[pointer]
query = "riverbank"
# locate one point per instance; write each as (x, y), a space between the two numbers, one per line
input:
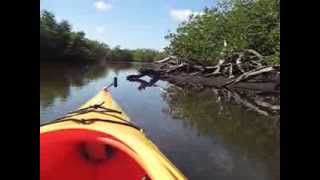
(260, 92)
(184, 76)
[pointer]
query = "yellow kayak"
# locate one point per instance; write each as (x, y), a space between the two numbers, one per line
(98, 141)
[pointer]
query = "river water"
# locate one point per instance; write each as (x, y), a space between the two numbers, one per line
(205, 136)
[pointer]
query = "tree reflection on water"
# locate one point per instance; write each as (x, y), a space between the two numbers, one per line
(221, 114)
(56, 79)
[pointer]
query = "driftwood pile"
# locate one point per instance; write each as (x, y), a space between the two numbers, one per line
(238, 68)
(246, 67)
(264, 101)
(243, 77)
(267, 104)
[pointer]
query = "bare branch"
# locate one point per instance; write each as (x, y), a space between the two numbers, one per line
(252, 51)
(250, 74)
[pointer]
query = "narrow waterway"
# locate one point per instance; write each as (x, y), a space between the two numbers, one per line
(205, 136)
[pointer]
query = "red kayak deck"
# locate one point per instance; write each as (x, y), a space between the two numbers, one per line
(77, 154)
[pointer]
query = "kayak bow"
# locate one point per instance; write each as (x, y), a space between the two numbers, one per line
(98, 141)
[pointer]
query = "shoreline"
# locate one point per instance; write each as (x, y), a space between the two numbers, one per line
(261, 95)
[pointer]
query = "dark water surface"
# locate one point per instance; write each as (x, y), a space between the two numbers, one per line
(205, 136)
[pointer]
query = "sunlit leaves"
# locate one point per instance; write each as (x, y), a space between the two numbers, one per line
(242, 24)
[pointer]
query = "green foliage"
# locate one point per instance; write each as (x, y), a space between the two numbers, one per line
(118, 54)
(232, 26)
(160, 55)
(147, 55)
(59, 43)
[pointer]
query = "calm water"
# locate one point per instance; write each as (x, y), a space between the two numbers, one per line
(205, 136)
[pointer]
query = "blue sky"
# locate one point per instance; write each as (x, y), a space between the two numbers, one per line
(128, 23)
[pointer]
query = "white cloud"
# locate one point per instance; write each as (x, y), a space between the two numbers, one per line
(181, 15)
(100, 29)
(102, 6)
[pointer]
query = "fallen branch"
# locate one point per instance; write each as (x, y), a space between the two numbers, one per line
(169, 58)
(260, 57)
(212, 74)
(134, 77)
(196, 73)
(218, 66)
(250, 74)
(175, 68)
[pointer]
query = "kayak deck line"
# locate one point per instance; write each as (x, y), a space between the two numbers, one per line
(94, 108)
(93, 120)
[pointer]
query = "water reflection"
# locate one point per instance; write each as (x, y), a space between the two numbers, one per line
(62, 86)
(207, 134)
(56, 79)
(247, 134)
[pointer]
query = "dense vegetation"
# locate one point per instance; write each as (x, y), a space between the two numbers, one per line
(232, 26)
(147, 55)
(58, 42)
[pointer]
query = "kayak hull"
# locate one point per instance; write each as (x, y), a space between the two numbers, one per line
(100, 149)
(83, 155)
